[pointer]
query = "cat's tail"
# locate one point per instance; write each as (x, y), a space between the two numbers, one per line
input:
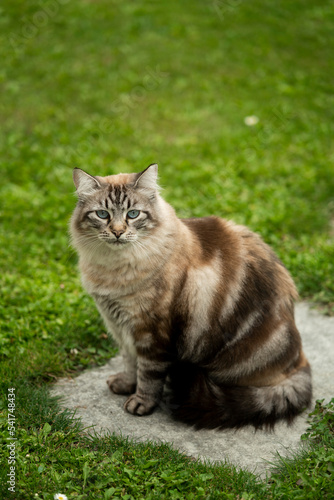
(204, 404)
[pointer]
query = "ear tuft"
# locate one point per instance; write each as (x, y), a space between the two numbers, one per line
(85, 183)
(148, 178)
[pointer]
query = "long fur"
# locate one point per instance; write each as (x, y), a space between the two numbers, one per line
(203, 303)
(200, 402)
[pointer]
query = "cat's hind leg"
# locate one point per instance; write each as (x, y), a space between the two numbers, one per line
(205, 404)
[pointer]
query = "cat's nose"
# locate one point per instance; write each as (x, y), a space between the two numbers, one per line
(117, 233)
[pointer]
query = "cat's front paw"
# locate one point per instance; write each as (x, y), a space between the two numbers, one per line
(121, 383)
(139, 405)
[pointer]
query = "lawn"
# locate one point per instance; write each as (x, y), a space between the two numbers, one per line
(110, 87)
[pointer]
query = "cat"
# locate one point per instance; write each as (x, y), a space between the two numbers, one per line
(202, 305)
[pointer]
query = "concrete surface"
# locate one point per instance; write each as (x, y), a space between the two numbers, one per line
(96, 405)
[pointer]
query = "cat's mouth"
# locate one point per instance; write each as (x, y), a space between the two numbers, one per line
(116, 242)
(111, 241)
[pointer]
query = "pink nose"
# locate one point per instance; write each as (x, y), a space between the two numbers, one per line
(117, 233)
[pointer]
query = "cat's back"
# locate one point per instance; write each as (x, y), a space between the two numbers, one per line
(242, 254)
(237, 289)
(237, 277)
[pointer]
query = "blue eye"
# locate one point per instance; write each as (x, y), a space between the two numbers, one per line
(132, 214)
(103, 214)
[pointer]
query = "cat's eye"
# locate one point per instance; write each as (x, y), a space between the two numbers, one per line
(132, 214)
(103, 214)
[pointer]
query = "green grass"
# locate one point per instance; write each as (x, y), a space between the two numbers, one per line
(112, 86)
(312, 469)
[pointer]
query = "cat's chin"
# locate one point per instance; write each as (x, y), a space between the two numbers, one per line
(116, 243)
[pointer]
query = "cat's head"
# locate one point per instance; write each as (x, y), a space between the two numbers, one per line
(117, 210)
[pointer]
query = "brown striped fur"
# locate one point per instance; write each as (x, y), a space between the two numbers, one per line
(203, 304)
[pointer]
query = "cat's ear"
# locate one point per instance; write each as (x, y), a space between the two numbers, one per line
(147, 179)
(86, 184)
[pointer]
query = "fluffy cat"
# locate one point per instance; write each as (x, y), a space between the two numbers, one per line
(204, 303)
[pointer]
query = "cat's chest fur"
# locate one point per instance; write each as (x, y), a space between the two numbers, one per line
(122, 293)
(112, 279)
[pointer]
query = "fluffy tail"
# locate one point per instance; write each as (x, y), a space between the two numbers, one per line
(199, 402)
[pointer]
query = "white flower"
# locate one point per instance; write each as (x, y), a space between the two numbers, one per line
(60, 496)
(251, 120)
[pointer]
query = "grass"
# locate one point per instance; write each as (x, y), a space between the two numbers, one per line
(109, 87)
(312, 469)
